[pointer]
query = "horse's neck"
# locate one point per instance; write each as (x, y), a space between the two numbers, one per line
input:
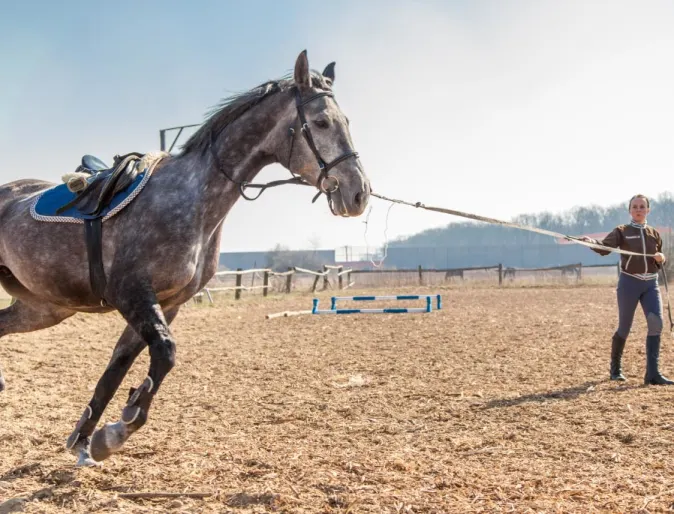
(243, 150)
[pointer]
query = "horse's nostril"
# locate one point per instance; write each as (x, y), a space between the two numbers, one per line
(359, 199)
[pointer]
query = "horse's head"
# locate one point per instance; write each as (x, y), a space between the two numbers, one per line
(319, 147)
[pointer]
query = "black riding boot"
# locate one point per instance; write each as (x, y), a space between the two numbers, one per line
(617, 347)
(653, 376)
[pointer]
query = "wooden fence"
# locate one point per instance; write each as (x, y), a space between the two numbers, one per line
(503, 272)
(342, 278)
(287, 276)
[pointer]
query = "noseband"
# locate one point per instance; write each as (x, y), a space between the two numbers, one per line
(323, 183)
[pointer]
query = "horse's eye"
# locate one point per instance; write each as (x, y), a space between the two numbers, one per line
(322, 123)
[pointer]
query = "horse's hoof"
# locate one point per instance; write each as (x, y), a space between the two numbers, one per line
(108, 440)
(84, 460)
(80, 448)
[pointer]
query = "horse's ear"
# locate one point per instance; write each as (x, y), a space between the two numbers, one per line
(329, 72)
(302, 73)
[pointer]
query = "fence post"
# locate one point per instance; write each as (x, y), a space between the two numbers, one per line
(339, 277)
(265, 283)
(500, 274)
(316, 278)
(348, 279)
(237, 292)
(580, 271)
(421, 276)
(326, 282)
(289, 280)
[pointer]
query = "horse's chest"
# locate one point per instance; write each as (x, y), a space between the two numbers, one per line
(199, 266)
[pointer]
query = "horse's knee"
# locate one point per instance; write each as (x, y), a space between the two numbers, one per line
(654, 324)
(163, 352)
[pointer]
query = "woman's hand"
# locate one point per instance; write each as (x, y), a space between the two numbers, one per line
(586, 239)
(659, 257)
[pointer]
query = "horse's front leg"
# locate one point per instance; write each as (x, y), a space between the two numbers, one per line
(126, 350)
(145, 316)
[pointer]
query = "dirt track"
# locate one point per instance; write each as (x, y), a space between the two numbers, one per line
(497, 403)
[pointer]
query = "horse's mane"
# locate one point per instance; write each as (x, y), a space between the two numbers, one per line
(232, 107)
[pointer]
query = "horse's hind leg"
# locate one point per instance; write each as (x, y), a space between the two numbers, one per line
(28, 317)
(145, 316)
(127, 349)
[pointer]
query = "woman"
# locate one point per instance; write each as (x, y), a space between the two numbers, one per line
(638, 283)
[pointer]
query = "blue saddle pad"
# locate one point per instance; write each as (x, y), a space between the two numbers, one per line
(46, 204)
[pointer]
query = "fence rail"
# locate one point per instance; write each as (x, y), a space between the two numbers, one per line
(242, 272)
(289, 277)
(340, 277)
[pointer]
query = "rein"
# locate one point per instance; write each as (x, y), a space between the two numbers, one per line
(243, 184)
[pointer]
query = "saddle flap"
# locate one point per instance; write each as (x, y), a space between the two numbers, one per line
(117, 182)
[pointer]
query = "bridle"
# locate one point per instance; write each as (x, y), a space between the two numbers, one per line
(323, 182)
(306, 132)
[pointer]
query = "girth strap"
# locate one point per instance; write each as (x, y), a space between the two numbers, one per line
(93, 235)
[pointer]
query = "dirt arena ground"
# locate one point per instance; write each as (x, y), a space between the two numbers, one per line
(498, 403)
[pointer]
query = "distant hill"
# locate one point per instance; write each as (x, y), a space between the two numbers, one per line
(576, 221)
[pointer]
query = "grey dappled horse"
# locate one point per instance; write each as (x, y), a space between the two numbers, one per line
(164, 247)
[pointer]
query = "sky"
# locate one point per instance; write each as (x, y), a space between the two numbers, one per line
(491, 107)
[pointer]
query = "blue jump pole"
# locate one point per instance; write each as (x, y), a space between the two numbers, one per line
(390, 310)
